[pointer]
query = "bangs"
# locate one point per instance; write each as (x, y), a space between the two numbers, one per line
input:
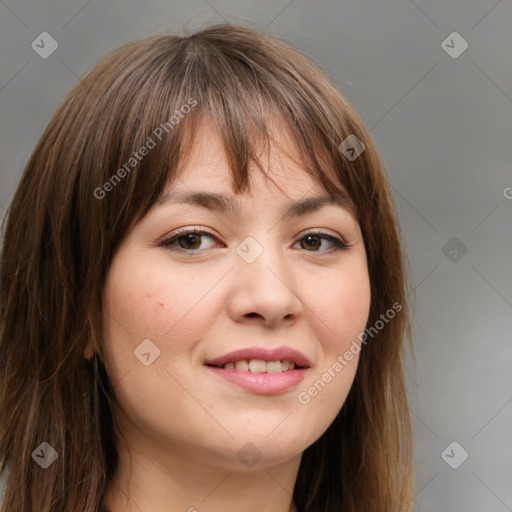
(243, 91)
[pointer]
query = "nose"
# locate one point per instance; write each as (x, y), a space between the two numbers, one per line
(264, 291)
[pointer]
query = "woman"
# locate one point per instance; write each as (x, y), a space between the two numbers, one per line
(203, 292)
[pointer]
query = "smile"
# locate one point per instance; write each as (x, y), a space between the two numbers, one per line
(259, 366)
(257, 379)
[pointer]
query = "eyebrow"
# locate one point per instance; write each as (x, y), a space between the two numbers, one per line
(230, 205)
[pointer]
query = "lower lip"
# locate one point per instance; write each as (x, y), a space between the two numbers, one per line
(262, 383)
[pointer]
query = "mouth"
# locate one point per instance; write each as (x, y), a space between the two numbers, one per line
(261, 371)
(261, 360)
(259, 366)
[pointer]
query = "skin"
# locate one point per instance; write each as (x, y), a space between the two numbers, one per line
(184, 426)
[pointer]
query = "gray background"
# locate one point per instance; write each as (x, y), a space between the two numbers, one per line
(443, 126)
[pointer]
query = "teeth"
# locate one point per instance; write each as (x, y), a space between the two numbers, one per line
(257, 366)
(260, 366)
(273, 367)
(241, 366)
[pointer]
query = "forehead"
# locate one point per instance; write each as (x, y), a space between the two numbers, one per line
(204, 178)
(206, 164)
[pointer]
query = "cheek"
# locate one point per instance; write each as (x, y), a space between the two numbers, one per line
(339, 312)
(341, 308)
(137, 299)
(143, 300)
(146, 300)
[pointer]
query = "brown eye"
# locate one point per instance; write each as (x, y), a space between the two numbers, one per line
(313, 241)
(186, 241)
(189, 241)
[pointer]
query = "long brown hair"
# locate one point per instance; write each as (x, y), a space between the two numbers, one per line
(74, 205)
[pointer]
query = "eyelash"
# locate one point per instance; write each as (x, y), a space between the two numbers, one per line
(339, 245)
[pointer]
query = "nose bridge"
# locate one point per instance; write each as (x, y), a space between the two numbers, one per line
(264, 281)
(260, 254)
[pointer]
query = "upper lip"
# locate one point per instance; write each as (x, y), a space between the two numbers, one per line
(276, 354)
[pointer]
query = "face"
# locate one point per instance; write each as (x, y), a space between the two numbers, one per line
(276, 287)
